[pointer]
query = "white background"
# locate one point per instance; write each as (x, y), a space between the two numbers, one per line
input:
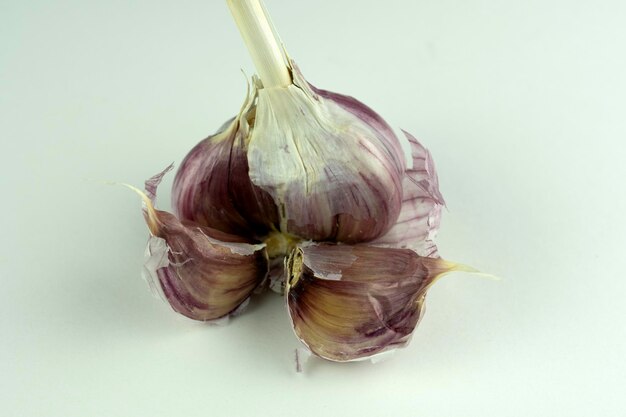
(522, 104)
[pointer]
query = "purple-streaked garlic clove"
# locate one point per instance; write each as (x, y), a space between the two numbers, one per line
(351, 302)
(332, 165)
(203, 273)
(212, 187)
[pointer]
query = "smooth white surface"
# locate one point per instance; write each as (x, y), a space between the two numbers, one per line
(521, 103)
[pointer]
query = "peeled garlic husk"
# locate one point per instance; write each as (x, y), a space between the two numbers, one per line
(203, 273)
(420, 213)
(349, 302)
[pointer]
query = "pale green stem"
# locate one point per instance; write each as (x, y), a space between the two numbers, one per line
(262, 41)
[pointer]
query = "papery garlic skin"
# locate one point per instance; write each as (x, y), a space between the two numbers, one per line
(203, 273)
(332, 166)
(207, 279)
(351, 302)
(420, 213)
(363, 112)
(334, 175)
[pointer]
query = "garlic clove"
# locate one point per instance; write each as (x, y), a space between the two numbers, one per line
(212, 187)
(203, 273)
(420, 214)
(332, 165)
(351, 302)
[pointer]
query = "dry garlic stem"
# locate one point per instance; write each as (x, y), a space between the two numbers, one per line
(262, 41)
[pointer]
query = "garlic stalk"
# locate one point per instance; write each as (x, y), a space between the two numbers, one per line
(314, 186)
(260, 37)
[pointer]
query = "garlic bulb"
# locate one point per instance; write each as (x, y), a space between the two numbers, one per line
(307, 192)
(297, 154)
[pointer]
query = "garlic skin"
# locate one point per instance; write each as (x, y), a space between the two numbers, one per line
(420, 214)
(349, 302)
(203, 273)
(333, 166)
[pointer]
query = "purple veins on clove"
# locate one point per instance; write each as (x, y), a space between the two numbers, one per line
(203, 273)
(349, 302)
